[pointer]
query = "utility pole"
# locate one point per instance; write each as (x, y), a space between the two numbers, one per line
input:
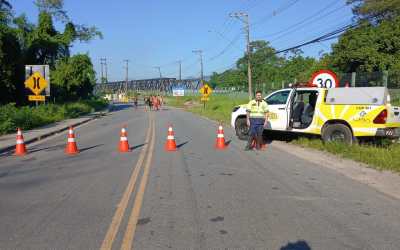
(102, 75)
(244, 17)
(200, 53)
(103, 62)
(159, 70)
(105, 67)
(126, 75)
(180, 69)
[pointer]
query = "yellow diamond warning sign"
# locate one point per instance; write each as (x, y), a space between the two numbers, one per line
(36, 83)
(206, 90)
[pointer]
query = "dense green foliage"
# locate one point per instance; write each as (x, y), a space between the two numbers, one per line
(74, 78)
(372, 46)
(375, 10)
(26, 117)
(25, 43)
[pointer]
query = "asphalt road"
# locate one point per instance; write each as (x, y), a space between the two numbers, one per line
(195, 198)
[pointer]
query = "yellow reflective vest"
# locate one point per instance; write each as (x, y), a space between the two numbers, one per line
(257, 109)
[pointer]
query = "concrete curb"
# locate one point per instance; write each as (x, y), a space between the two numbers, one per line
(54, 132)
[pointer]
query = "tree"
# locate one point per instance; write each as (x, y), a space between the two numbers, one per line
(74, 78)
(5, 11)
(375, 10)
(23, 42)
(368, 48)
(298, 68)
(11, 69)
(53, 7)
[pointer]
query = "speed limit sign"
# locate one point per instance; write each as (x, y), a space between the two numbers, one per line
(325, 79)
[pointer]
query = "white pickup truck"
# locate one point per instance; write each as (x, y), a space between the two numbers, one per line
(336, 114)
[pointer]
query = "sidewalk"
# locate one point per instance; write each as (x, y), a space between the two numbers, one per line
(7, 142)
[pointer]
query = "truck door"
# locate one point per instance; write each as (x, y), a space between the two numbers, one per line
(302, 108)
(278, 110)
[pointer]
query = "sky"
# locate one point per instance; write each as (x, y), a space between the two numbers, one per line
(151, 33)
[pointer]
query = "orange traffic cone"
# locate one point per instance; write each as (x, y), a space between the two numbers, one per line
(123, 142)
(20, 148)
(171, 144)
(220, 141)
(71, 147)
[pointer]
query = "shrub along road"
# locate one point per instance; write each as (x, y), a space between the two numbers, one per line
(195, 198)
(27, 117)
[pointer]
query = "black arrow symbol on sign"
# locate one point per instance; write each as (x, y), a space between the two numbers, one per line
(36, 82)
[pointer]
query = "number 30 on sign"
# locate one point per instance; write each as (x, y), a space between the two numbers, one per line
(325, 79)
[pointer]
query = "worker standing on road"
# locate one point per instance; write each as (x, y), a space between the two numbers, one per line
(257, 119)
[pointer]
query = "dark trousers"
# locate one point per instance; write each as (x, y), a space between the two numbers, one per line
(256, 131)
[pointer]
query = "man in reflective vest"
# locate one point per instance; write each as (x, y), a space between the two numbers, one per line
(257, 118)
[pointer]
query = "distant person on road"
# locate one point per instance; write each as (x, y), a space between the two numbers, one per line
(147, 102)
(158, 99)
(150, 103)
(154, 101)
(135, 101)
(257, 120)
(162, 100)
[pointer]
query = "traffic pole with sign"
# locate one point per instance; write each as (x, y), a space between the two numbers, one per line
(206, 91)
(37, 80)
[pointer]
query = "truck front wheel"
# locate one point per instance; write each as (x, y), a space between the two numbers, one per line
(242, 131)
(337, 133)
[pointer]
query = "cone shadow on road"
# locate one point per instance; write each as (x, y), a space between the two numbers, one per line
(137, 146)
(182, 144)
(299, 245)
(7, 154)
(34, 150)
(228, 142)
(51, 148)
(89, 148)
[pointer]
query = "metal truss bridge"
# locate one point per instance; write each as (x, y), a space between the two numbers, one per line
(157, 84)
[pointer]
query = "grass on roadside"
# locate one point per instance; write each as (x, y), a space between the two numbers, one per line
(385, 157)
(27, 117)
(219, 108)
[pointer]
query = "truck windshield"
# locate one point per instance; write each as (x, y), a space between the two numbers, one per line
(279, 98)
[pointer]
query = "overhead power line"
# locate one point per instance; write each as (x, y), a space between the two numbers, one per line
(279, 10)
(304, 21)
(328, 36)
(289, 32)
(223, 51)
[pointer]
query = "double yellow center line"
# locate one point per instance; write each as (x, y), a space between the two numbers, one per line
(147, 152)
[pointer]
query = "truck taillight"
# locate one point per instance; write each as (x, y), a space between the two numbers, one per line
(382, 117)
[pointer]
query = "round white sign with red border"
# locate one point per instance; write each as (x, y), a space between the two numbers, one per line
(325, 79)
